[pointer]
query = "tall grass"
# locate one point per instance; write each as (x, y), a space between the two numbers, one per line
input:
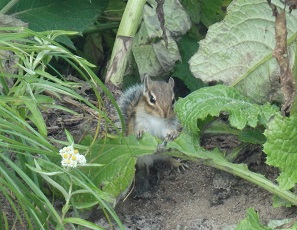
(29, 162)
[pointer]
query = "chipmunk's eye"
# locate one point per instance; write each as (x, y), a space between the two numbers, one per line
(152, 99)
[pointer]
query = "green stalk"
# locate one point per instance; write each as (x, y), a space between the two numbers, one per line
(255, 178)
(122, 47)
(101, 27)
(190, 147)
(8, 6)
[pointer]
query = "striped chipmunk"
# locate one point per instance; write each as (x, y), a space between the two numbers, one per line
(148, 107)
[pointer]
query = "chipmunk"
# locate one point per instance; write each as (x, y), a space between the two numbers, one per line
(148, 107)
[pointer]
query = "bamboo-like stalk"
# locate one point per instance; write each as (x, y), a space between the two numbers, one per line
(8, 6)
(122, 47)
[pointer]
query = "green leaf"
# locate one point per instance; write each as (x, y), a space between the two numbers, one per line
(280, 202)
(69, 137)
(36, 116)
(253, 136)
(281, 149)
(115, 8)
(213, 11)
(251, 222)
(73, 15)
(82, 222)
(187, 47)
(249, 135)
(118, 157)
(193, 9)
(155, 55)
(279, 224)
(211, 101)
(177, 21)
(39, 198)
(12, 127)
(59, 15)
(238, 50)
(46, 176)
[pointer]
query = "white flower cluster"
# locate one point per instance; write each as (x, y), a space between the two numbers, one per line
(71, 157)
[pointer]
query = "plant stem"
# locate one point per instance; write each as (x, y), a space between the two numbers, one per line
(67, 200)
(101, 27)
(190, 147)
(255, 178)
(8, 6)
(122, 47)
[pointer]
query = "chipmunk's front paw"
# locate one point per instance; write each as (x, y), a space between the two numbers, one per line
(178, 164)
(139, 134)
(172, 135)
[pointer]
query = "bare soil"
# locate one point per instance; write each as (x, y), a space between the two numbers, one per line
(185, 201)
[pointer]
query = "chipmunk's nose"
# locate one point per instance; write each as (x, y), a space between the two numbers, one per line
(166, 111)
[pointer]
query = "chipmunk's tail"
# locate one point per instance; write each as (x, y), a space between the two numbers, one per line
(129, 100)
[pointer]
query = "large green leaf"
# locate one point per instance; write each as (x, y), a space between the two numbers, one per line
(118, 157)
(281, 149)
(238, 50)
(71, 15)
(211, 101)
(154, 53)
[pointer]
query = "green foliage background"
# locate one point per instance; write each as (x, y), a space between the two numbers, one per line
(203, 46)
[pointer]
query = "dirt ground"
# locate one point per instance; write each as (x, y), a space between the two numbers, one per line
(185, 201)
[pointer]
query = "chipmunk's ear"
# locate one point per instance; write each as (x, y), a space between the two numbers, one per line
(146, 81)
(171, 82)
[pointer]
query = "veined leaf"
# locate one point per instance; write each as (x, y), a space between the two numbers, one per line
(211, 101)
(281, 149)
(238, 50)
(177, 20)
(154, 54)
(251, 222)
(118, 157)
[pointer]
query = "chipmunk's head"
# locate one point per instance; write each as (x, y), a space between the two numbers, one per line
(159, 97)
